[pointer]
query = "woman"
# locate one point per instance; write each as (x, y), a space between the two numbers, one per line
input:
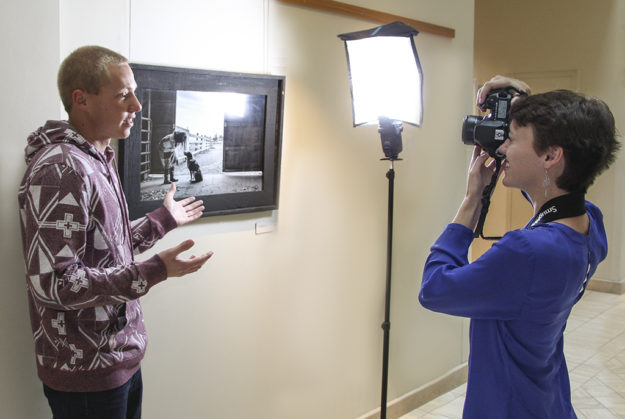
(519, 293)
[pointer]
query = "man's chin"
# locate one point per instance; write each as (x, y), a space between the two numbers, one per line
(124, 133)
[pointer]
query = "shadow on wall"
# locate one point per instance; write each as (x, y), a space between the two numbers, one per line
(20, 383)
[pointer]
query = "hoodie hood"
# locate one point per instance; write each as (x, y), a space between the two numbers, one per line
(56, 132)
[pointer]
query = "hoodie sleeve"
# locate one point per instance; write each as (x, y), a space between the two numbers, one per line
(71, 260)
(147, 230)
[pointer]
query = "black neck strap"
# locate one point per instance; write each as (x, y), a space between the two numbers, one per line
(563, 206)
(486, 194)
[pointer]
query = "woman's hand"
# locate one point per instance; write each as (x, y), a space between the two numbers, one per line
(480, 175)
(499, 82)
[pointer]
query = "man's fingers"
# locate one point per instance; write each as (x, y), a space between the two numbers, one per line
(193, 205)
(194, 263)
(186, 201)
(184, 246)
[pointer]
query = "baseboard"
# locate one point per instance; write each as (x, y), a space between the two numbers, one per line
(603, 285)
(427, 392)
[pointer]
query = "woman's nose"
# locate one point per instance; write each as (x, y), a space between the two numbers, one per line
(502, 148)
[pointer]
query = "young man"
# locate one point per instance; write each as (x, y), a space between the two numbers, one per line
(83, 282)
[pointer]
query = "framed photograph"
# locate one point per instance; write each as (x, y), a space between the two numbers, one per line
(217, 135)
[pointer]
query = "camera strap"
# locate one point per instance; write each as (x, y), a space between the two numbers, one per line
(563, 206)
(486, 194)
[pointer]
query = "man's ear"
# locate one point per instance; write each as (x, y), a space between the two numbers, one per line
(79, 98)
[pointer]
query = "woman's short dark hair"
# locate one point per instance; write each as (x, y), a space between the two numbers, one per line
(583, 126)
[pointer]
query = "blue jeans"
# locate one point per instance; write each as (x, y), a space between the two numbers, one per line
(123, 402)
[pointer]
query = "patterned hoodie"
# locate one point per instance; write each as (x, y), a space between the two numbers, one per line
(82, 280)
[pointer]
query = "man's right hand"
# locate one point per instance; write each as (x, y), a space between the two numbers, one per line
(178, 266)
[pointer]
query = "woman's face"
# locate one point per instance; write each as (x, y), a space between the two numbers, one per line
(523, 167)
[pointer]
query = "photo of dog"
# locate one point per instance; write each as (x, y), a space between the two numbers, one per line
(195, 174)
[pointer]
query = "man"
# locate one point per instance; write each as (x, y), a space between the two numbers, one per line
(83, 282)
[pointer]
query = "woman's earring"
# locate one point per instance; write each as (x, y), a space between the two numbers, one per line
(546, 182)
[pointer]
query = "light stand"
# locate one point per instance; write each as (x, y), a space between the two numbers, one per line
(385, 79)
(390, 135)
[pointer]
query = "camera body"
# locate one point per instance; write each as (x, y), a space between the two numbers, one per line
(490, 131)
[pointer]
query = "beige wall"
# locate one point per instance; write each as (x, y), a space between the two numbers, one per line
(284, 324)
(547, 41)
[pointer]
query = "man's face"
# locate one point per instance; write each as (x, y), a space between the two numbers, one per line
(112, 110)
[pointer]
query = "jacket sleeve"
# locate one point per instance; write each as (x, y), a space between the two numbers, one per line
(495, 286)
(57, 228)
(147, 230)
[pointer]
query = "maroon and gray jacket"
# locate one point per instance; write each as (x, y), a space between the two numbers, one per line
(82, 280)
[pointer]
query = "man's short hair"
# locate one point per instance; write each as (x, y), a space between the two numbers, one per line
(583, 126)
(86, 68)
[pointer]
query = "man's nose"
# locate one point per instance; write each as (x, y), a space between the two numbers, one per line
(135, 104)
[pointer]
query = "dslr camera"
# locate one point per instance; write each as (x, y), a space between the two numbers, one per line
(490, 131)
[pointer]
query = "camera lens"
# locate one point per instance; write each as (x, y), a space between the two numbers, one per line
(468, 129)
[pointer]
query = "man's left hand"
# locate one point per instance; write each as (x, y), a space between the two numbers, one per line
(185, 210)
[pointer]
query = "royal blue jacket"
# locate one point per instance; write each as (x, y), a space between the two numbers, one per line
(518, 295)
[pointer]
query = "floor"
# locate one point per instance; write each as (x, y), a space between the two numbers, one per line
(594, 346)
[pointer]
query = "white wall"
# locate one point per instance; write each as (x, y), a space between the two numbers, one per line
(285, 324)
(30, 52)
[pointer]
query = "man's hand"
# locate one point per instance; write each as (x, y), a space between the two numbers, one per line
(178, 266)
(185, 210)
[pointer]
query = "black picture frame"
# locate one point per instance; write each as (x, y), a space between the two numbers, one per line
(247, 178)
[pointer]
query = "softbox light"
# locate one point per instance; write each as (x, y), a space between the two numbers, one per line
(385, 74)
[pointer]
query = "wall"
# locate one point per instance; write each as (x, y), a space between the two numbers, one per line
(284, 324)
(28, 85)
(555, 37)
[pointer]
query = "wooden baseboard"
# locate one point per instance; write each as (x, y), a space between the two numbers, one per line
(603, 285)
(410, 401)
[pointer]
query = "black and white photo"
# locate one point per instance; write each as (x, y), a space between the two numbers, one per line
(216, 135)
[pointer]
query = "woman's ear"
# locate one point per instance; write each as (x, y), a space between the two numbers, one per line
(553, 156)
